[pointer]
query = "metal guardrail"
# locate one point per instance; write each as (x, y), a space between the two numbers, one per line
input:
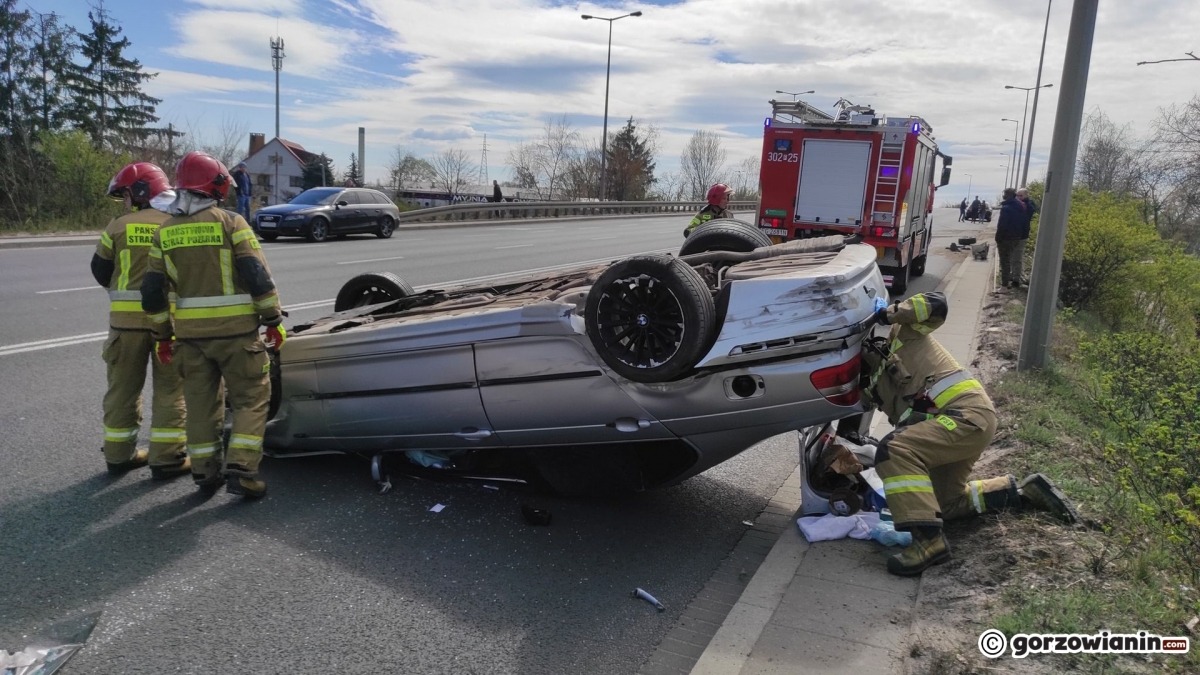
(523, 210)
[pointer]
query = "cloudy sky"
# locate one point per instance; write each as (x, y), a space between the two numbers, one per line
(429, 75)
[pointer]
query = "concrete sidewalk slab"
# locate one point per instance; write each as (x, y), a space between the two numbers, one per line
(832, 607)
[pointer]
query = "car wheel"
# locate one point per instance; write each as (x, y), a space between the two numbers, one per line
(386, 227)
(724, 235)
(900, 279)
(269, 236)
(370, 289)
(650, 318)
(318, 230)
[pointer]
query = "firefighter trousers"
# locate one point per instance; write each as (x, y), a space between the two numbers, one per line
(925, 465)
(242, 363)
(125, 354)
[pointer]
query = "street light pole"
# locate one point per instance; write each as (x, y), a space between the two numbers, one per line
(1014, 140)
(795, 94)
(1022, 150)
(607, 72)
(1037, 88)
(970, 182)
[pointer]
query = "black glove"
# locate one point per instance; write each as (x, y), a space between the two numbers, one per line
(881, 317)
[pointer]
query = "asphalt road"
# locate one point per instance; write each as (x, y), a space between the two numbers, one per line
(326, 575)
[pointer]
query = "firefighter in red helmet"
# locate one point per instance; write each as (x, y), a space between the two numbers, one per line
(717, 207)
(121, 259)
(224, 293)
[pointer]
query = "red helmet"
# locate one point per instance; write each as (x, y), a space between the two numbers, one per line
(718, 192)
(202, 173)
(143, 181)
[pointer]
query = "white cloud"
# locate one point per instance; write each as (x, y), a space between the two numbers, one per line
(243, 39)
(265, 6)
(170, 82)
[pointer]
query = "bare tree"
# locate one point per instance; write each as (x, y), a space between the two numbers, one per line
(1177, 193)
(668, 187)
(1108, 161)
(406, 170)
(746, 183)
(547, 160)
(226, 143)
(453, 169)
(582, 179)
(702, 162)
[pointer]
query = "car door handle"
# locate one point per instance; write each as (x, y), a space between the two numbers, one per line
(629, 424)
(473, 434)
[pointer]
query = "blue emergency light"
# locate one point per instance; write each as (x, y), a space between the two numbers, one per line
(916, 127)
(767, 122)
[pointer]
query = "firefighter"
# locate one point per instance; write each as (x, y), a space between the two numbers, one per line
(717, 207)
(224, 294)
(118, 265)
(943, 420)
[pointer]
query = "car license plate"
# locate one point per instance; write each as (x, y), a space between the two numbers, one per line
(267, 223)
(776, 231)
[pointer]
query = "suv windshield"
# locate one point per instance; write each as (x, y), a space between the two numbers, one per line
(316, 196)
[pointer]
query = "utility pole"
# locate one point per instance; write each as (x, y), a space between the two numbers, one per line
(483, 167)
(1052, 232)
(1037, 89)
(277, 65)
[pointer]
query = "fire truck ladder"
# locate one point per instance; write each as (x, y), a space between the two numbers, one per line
(887, 183)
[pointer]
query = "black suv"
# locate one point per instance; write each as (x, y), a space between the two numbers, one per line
(319, 212)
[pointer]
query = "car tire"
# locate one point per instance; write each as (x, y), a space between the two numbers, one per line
(650, 318)
(724, 235)
(386, 227)
(370, 289)
(900, 279)
(269, 236)
(318, 230)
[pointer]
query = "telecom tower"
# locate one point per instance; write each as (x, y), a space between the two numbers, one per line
(277, 64)
(483, 167)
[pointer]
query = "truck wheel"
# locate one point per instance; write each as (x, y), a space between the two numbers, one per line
(900, 279)
(650, 318)
(370, 289)
(724, 235)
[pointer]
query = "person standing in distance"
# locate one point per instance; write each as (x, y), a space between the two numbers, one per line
(119, 263)
(225, 293)
(243, 190)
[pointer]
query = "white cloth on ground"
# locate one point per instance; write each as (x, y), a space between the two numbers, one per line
(830, 526)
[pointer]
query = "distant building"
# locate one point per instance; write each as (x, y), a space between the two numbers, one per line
(277, 169)
(426, 195)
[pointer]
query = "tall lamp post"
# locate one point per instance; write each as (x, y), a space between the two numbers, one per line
(970, 182)
(1021, 182)
(794, 94)
(1016, 125)
(607, 72)
(1037, 88)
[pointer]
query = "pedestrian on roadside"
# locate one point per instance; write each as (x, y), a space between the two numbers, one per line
(497, 194)
(962, 210)
(224, 294)
(120, 262)
(1012, 230)
(1031, 207)
(242, 180)
(943, 420)
(717, 207)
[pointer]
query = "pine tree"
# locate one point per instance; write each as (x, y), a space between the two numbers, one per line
(353, 175)
(630, 165)
(15, 34)
(53, 47)
(109, 104)
(318, 172)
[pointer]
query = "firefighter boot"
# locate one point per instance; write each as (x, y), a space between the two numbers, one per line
(1000, 498)
(141, 457)
(929, 547)
(168, 471)
(1039, 494)
(239, 480)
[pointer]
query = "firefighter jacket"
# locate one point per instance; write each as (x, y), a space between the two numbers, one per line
(709, 212)
(911, 375)
(121, 259)
(222, 284)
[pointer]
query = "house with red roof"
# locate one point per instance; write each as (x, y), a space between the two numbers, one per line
(276, 168)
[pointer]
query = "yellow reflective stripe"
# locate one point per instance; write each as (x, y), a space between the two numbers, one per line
(167, 434)
(946, 396)
(172, 271)
(976, 486)
(202, 451)
(134, 306)
(214, 312)
(242, 235)
(888, 491)
(214, 301)
(245, 442)
(227, 271)
(920, 307)
(155, 252)
(161, 317)
(124, 264)
(923, 329)
(908, 479)
(267, 302)
(120, 435)
(106, 240)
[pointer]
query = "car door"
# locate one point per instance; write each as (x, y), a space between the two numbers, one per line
(346, 218)
(373, 203)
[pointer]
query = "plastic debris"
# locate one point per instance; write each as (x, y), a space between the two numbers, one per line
(748, 523)
(885, 533)
(428, 459)
(490, 487)
(639, 593)
(540, 517)
(437, 508)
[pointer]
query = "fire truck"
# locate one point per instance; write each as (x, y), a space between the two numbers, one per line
(855, 172)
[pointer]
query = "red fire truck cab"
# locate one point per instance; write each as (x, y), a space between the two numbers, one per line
(853, 173)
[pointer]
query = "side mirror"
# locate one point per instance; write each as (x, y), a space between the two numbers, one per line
(343, 202)
(945, 176)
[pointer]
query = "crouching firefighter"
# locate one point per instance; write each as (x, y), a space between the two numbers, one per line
(943, 420)
(224, 293)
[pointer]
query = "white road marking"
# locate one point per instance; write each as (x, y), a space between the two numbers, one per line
(601, 238)
(357, 262)
(68, 290)
(50, 344)
(514, 246)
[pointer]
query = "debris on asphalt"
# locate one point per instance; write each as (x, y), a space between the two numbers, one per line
(748, 523)
(639, 593)
(437, 508)
(491, 487)
(540, 517)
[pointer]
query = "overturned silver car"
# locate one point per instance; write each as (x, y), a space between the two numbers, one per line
(631, 375)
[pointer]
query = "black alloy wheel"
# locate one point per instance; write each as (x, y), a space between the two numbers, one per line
(386, 227)
(318, 230)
